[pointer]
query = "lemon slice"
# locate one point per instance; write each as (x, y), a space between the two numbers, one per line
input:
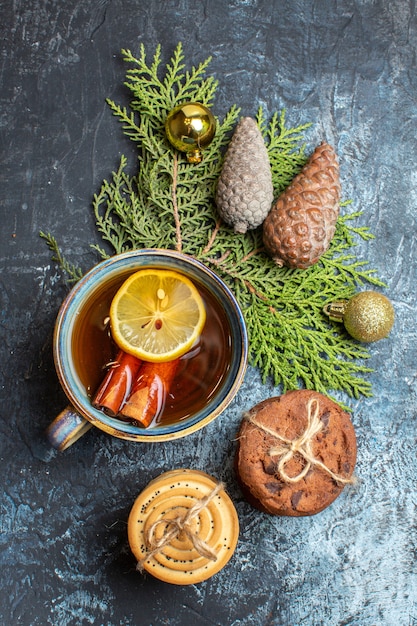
(157, 315)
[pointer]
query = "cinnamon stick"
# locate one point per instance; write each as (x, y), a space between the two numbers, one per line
(149, 392)
(117, 383)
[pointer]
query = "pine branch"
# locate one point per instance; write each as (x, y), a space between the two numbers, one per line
(74, 273)
(168, 203)
(286, 152)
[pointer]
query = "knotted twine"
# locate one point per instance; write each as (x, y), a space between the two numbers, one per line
(177, 525)
(302, 445)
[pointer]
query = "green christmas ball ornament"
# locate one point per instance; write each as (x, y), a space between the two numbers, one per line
(190, 128)
(368, 316)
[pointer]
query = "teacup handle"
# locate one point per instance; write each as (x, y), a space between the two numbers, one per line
(67, 428)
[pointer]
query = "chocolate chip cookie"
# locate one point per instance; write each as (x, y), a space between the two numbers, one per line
(296, 453)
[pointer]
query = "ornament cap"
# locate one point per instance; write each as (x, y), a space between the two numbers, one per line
(336, 310)
(195, 156)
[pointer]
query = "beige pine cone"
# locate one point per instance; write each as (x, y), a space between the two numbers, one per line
(302, 222)
(244, 191)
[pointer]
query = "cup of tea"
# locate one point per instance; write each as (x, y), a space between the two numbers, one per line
(83, 346)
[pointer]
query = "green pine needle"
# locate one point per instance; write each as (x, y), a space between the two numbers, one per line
(73, 272)
(169, 203)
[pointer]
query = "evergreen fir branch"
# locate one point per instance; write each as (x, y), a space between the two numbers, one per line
(297, 353)
(74, 273)
(285, 150)
(168, 203)
(154, 98)
(154, 179)
(100, 251)
(130, 128)
(110, 209)
(194, 86)
(144, 83)
(298, 326)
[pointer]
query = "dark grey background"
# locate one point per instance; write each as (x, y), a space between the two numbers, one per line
(350, 68)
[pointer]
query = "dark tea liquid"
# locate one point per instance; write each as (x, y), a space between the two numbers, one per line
(200, 373)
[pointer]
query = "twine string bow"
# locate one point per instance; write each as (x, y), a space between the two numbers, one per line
(303, 445)
(177, 525)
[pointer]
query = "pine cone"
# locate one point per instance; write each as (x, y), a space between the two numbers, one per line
(244, 191)
(302, 222)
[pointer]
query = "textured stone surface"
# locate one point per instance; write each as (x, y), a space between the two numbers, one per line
(350, 69)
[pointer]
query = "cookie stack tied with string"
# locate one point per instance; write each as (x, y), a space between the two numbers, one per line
(183, 527)
(296, 453)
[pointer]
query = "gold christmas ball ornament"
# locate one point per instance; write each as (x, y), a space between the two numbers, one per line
(368, 316)
(190, 128)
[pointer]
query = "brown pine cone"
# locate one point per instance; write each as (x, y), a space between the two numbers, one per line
(302, 222)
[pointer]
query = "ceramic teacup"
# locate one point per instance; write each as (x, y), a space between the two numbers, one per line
(71, 338)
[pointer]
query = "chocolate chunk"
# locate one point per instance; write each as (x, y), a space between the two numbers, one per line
(273, 487)
(269, 466)
(295, 498)
(325, 418)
